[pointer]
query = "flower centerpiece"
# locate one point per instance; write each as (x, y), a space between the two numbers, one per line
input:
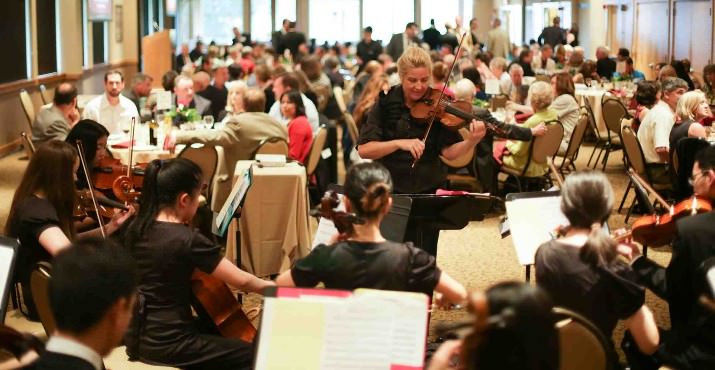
(183, 114)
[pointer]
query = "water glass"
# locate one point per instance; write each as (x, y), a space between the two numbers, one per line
(209, 121)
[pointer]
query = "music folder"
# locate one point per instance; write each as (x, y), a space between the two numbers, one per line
(8, 253)
(316, 329)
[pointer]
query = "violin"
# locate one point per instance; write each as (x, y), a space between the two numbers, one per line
(123, 186)
(453, 114)
(108, 169)
(344, 221)
(84, 206)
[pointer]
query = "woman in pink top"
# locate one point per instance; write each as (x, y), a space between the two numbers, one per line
(300, 135)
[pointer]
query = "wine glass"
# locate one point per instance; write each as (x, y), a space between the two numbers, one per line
(209, 121)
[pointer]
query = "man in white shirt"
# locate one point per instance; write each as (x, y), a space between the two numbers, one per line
(543, 62)
(283, 84)
(92, 297)
(654, 131)
(111, 109)
(497, 66)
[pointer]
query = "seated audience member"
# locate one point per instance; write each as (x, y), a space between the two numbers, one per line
(247, 63)
(371, 69)
(289, 82)
(54, 121)
(94, 142)
(646, 96)
(690, 342)
(139, 89)
(185, 96)
(111, 109)
(514, 328)
(518, 90)
(216, 96)
(234, 104)
(364, 258)
(168, 251)
(667, 71)
(573, 66)
(473, 75)
(709, 83)
(654, 131)
(565, 105)
(543, 61)
(630, 72)
(183, 58)
(41, 214)
(487, 168)
(377, 84)
(265, 83)
(605, 66)
(239, 137)
(318, 81)
(691, 109)
(682, 71)
(582, 272)
(92, 296)
(586, 73)
(540, 98)
(525, 59)
(497, 66)
(560, 56)
(300, 136)
(440, 78)
(167, 80)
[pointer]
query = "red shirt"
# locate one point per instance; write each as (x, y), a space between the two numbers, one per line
(300, 136)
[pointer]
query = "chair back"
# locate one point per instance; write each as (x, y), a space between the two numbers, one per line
(352, 127)
(45, 95)
(340, 99)
(613, 112)
(27, 107)
(634, 151)
(464, 159)
(39, 283)
(546, 146)
(272, 145)
(499, 101)
(206, 157)
(27, 145)
(311, 163)
(581, 344)
(577, 135)
(682, 163)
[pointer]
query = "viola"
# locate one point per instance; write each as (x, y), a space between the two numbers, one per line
(217, 304)
(453, 114)
(343, 221)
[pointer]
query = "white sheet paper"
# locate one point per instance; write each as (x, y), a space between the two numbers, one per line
(163, 100)
(326, 228)
(532, 220)
(491, 87)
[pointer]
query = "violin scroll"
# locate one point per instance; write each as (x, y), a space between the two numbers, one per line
(344, 221)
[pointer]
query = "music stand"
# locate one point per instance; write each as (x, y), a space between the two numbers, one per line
(8, 253)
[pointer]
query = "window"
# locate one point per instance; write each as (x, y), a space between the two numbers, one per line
(218, 17)
(46, 36)
(391, 17)
(285, 9)
(99, 42)
(441, 11)
(334, 20)
(12, 27)
(260, 20)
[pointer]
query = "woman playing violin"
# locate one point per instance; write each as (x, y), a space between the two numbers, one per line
(41, 212)
(167, 252)
(94, 141)
(582, 271)
(365, 259)
(391, 136)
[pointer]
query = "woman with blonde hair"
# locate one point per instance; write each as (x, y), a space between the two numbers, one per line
(692, 108)
(395, 139)
(234, 103)
(377, 84)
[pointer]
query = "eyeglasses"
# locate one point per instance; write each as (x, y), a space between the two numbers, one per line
(695, 177)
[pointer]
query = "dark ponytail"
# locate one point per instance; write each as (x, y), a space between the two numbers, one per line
(586, 201)
(368, 186)
(164, 182)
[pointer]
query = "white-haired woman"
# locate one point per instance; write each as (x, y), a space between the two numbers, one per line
(540, 98)
(234, 103)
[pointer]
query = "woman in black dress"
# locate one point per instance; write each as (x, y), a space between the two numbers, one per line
(365, 259)
(94, 141)
(167, 251)
(41, 212)
(582, 270)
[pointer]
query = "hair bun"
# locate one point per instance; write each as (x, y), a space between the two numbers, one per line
(375, 198)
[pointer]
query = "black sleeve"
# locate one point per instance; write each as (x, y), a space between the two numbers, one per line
(424, 273)
(205, 255)
(36, 216)
(371, 130)
(626, 295)
(546, 275)
(447, 137)
(308, 271)
(651, 275)
(515, 132)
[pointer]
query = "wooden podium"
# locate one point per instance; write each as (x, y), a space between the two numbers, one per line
(157, 55)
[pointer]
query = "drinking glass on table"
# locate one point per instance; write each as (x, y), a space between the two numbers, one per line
(209, 121)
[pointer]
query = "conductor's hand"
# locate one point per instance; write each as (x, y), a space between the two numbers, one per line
(414, 146)
(477, 130)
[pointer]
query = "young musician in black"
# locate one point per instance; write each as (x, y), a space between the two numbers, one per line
(41, 215)
(167, 251)
(365, 259)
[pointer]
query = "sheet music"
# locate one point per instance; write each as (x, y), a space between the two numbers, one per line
(532, 220)
(370, 330)
(6, 259)
(492, 87)
(326, 228)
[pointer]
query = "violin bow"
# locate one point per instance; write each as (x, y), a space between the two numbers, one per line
(441, 93)
(80, 149)
(131, 148)
(644, 184)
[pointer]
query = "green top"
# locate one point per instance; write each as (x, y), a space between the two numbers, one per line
(519, 150)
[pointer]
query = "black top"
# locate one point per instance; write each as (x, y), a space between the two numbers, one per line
(368, 51)
(681, 285)
(389, 119)
(59, 361)
(350, 265)
(606, 67)
(33, 216)
(292, 40)
(218, 98)
(602, 294)
(678, 132)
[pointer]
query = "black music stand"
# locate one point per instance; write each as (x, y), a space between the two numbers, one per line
(419, 217)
